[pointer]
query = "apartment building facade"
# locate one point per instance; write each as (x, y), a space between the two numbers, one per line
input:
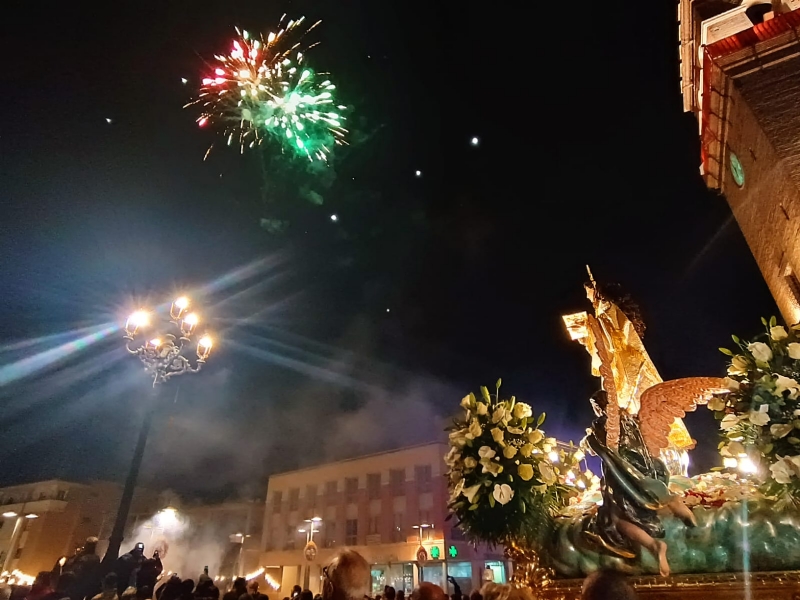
(391, 507)
(44, 520)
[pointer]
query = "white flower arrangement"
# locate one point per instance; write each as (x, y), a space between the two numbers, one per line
(507, 479)
(760, 414)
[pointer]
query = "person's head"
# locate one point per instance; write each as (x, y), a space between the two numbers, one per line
(91, 545)
(503, 591)
(110, 582)
(138, 550)
(377, 597)
(306, 595)
(401, 595)
(296, 590)
(66, 581)
(389, 593)
(187, 586)
(42, 581)
(129, 593)
(240, 585)
(252, 587)
(476, 595)
(428, 591)
(607, 585)
(347, 577)
(203, 579)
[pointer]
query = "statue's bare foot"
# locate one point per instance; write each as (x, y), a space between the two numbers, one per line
(661, 551)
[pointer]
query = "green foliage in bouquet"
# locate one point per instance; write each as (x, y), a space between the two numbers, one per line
(760, 416)
(503, 486)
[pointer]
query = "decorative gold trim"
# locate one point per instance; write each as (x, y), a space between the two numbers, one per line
(781, 584)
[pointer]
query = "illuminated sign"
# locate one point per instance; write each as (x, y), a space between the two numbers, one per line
(452, 551)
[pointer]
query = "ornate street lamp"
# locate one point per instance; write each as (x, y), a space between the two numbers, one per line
(167, 348)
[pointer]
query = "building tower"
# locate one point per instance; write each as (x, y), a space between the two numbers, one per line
(740, 75)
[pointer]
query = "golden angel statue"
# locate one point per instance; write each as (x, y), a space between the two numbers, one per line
(638, 433)
(613, 338)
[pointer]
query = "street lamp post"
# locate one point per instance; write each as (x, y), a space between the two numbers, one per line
(164, 355)
(309, 529)
(16, 534)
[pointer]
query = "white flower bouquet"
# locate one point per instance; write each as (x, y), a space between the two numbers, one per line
(507, 480)
(760, 416)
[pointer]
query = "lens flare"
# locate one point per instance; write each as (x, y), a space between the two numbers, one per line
(262, 91)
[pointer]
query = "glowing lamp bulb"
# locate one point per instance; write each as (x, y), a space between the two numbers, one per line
(553, 456)
(182, 303)
(9, 513)
(191, 319)
(205, 342)
(155, 342)
(730, 463)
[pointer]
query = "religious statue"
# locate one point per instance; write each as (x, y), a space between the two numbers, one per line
(638, 434)
(613, 338)
(634, 487)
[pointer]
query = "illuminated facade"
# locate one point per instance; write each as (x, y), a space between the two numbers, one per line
(45, 520)
(740, 75)
(390, 507)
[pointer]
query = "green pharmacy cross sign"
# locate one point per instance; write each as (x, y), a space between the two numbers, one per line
(435, 553)
(452, 551)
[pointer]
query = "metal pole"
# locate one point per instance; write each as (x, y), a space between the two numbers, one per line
(118, 533)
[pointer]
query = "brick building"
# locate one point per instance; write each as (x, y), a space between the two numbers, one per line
(740, 74)
(390, 507)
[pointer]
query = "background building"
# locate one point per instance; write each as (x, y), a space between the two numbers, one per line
(42, 521)
(225, 537)
(740, 74)
(391, 507)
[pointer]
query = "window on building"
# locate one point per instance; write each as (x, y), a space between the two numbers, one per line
(294, 499)
(330, 534)
(351, 532)
(373, 525)
(311, 496)
(424, 477)
(277, 501)
(425, 517)
(291, 536)
(373, 485)
(398, 533)
(397, 481)
(351, 489)
(331, 488)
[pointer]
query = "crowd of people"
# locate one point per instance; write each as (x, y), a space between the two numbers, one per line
(346, 577)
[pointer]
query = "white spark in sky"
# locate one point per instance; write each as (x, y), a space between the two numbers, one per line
(334, 218)
(418, 173)
(475, 141)
(108, 120)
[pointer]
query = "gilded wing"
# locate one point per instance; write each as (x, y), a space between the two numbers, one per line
(607, 377)
(665, 402)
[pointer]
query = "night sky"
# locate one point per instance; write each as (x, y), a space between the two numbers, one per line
(584, 157)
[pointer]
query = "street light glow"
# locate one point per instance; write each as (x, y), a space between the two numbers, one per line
(9, 513)
(31, 516)
(155, 342)
(205, 342)
(191, 319)
(182, 303)
(139, 318)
